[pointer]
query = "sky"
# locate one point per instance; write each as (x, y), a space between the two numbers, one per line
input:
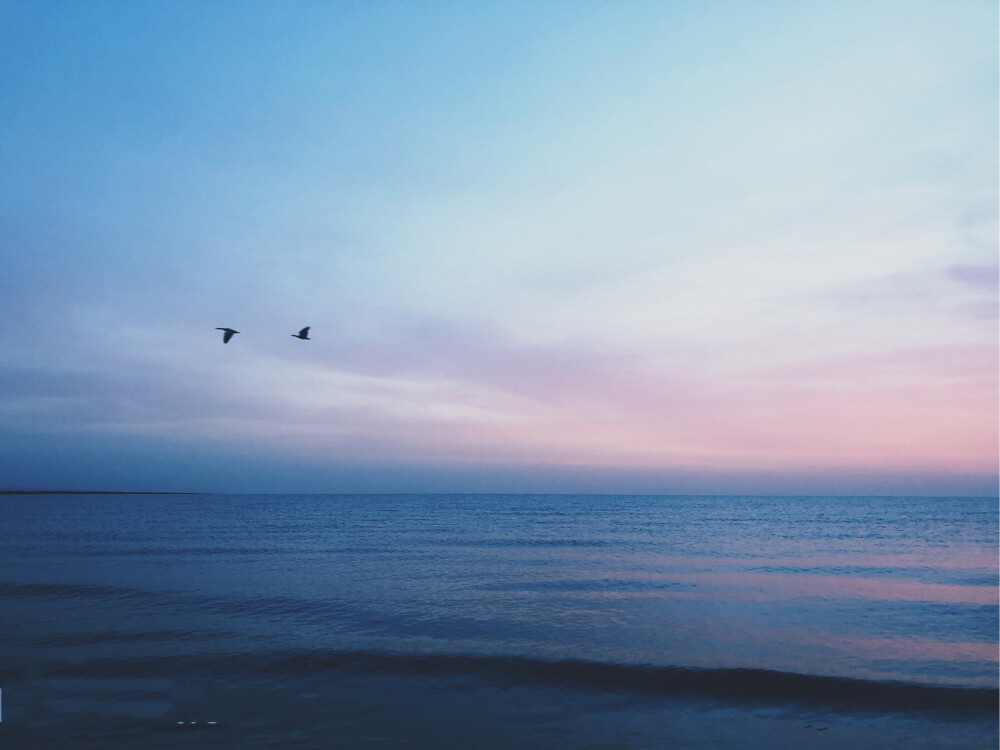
(623, 247)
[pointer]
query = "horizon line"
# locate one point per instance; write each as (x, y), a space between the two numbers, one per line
(509, 494)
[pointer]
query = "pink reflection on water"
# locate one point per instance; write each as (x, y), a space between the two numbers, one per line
(910, 648)
(978, 560)
(824, 586)
(755, 586)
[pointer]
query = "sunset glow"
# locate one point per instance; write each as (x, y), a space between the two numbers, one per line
(659, 247)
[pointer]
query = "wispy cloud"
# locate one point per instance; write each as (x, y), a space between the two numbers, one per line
(645, 239)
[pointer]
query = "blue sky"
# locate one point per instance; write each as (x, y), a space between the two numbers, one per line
(691, 247)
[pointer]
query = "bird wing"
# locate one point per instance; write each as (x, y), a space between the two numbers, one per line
(305, 331)
(227, 335)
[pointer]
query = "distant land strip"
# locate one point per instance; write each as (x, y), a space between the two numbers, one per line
(92, 492)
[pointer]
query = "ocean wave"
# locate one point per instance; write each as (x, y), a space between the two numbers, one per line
(256, 605)
(757, 686)
(61, 591)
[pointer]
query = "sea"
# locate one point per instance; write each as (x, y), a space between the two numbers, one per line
(497, 621)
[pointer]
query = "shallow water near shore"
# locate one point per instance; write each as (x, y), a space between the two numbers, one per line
(498, 621)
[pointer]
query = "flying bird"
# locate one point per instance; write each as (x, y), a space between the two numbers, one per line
(227, 334)
(303, 334)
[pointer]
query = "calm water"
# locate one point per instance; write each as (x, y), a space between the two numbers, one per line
(497, 621)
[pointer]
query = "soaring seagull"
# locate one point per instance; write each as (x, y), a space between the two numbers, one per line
(303, 334)
(228, 334)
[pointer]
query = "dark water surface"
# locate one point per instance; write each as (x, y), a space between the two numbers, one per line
(497, 621)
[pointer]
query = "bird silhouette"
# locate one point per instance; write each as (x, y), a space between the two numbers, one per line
(303, 334)
(227, 334)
